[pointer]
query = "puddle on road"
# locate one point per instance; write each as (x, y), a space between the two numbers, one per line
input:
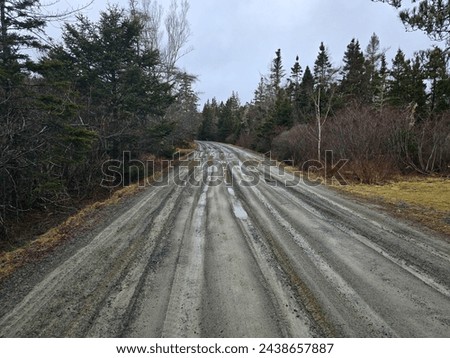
(238, 210)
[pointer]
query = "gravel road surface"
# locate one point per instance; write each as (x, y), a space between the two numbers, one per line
(234, 247)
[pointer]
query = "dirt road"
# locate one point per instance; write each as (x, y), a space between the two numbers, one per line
(227, 249)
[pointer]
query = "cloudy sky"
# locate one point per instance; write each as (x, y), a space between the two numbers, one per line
(234, 41)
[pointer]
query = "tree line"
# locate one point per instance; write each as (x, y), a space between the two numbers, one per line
(384, 118)
(109, 86)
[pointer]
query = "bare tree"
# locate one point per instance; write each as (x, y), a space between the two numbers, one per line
(151, 14)
(168, 33)
(324, 91)
(178, 33)
(323, 109)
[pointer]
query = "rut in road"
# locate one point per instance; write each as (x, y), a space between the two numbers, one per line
(233, 247)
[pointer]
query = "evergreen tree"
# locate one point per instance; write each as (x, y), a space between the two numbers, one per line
(417, 88)
(261, 93)
(296, 75)
(406, 85)
(323, 92)
(322, 69)
(379, 87)
(294, 88)
(276, 109)
(229, 119)
(258, 113)
(354, 82)
(437, 72)
(277, 72)
(20, 23)
(306, 100)
(116, 78)
(323, 82)
(282, 111)
(183, 112)
(398, 81)
(207, 131)
(373, 57)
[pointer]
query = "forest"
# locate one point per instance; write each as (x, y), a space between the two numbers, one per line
(384, 118)
(113, 86)
(109, 86)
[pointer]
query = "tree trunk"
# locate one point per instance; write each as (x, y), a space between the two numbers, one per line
(319, 126)
(4, 32)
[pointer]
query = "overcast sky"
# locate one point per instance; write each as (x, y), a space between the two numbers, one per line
(234, 41)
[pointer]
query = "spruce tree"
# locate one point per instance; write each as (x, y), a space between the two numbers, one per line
(354, 83)
(229, 118)
(296, 73)
(293, 89)
(373, 57)
(438, 74)
(380, 86)
(406, 84)
(324, 90)
(306, 100)
(282, 111)
(398, 81)
(277, 72)
(323, 82)
(206, 131)
(20, 23)
(322, 68)
(417, 88)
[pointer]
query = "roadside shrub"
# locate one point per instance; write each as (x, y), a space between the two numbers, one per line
(296, 144)
(246, 140)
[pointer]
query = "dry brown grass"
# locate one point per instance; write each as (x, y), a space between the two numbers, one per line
(426, 200)
(186, 151)
(12, 260)
(422, 199)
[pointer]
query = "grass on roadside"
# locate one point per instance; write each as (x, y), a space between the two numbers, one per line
(426, 200)
(422, 199)
(10, 261)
